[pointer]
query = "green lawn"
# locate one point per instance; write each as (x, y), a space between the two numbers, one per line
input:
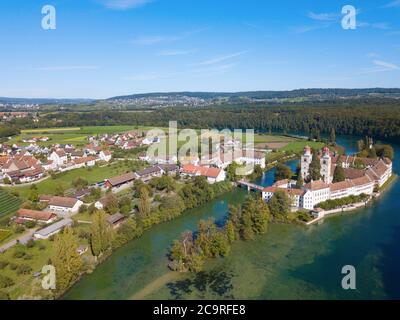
(35, 257)
(4, 234)
(298, 146)
(94, 175)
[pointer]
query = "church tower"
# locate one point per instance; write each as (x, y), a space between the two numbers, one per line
(306, 159)
(326, 165)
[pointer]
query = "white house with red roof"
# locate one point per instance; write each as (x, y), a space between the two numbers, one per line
(105, 155)
(59, 157)
(213, 175)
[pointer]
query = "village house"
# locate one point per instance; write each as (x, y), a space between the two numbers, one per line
(52, 229)
(89, 161)
(45, 217)
(21, 168)
(59, 157)
(213, 175)
(64, 205)
(105, 155)
(116, 220)
(149, 173)
(126, 179)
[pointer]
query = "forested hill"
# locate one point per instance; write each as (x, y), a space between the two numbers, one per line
(299, 93)
(372, 119)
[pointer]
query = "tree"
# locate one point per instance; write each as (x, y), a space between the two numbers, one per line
(59, 190)
(111, 205)
(100, 234)
(338, 174)
(372, 153)
(261, 217)
(231, 172)
(332, 136)
(34, 194)
(125, 205)
(66, 259)
(144, 203)
(315, 169)
(282, 172)
(385, 150)
(279, 204)
(300, 181)
(80, 183)
(126, 232)
(230, 231)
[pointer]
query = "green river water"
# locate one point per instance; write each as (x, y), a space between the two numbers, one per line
(289, 262)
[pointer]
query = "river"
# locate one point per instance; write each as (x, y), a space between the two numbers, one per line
(289, 262)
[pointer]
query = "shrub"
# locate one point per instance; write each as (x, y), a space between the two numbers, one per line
(30, 243)
(13, 266)
(23, 269)
(19, 254)
(3, 264)
(30, 224)
(5, 282)
(4, 296)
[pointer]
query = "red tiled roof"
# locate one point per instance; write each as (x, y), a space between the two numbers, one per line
(203, 171)
(62, 202)
(340, 185)
(361, 181)
(84, 160)
(35, 215)
(127, 177)
(316, 185)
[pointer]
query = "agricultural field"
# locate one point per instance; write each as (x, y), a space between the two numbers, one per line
(8, 203)
(76, 136)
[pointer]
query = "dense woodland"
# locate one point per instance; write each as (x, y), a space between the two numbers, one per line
(361, 117)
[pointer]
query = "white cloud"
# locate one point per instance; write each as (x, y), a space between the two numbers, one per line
(150, 40)
(387, 65)
(323, 16)
(376, 25)
(156, 39)
(381, 66)
(124, 4)
(66, 68)
(175, 52)
(304, 29)
(222, 58)
(393, 4)
(150, 76)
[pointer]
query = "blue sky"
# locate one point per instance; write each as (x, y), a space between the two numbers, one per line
(103, 48)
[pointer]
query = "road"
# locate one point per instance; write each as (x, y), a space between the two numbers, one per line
(24, 238)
